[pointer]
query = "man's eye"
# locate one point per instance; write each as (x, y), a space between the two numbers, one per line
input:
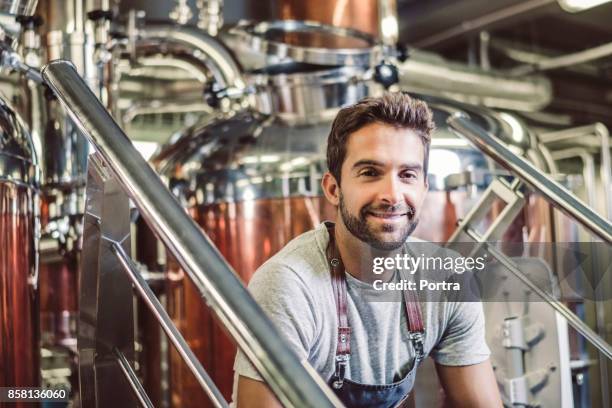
(408, 175)
(369, 173)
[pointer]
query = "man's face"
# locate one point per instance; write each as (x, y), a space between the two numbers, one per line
(382, 185)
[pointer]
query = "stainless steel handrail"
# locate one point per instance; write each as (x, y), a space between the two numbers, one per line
(554, 192)
(289, 378)
(132, 379)
(171, 331)
(573, 320)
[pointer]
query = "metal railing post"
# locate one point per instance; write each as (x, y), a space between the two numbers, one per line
(106, 320)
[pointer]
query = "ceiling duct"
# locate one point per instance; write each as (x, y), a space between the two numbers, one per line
(429, 73)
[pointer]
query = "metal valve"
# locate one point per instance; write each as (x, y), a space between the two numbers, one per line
(386, 74)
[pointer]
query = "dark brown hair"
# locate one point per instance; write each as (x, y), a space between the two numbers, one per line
(396, 109)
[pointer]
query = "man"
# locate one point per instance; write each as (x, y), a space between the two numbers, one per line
(313, 289)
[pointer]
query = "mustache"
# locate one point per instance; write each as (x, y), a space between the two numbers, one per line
(383, 209)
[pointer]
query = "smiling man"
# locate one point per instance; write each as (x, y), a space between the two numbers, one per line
(315, 288)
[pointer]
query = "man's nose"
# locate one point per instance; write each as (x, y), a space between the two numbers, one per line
(391, 191)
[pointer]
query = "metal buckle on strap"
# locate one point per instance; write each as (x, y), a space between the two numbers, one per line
(341, 361)
(417, 343)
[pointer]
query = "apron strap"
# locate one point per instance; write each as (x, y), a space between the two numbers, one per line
(343, 342)
(414, 319)
(338, 280)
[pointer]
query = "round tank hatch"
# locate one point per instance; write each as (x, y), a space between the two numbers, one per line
(309, 42)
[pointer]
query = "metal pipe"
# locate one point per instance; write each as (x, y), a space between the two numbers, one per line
(212, 53)
(181, 14)
(564, 61)
(210, 16)
(573, 320)
(166, 323)
(588, 169)
(388, 26)
(527, 55)
(578, 135)
(482, 22)
(428, 73)
(191, 50)
(132, 379)
(18, 7)
(148, 108)
(166, 68)
(293, 381)
(555, 193)
(65, 149)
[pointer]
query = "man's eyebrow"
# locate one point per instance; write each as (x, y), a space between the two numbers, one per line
(412, 166)
(367, 162)
(371, 162)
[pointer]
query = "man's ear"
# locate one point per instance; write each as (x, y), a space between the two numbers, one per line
(331, 189)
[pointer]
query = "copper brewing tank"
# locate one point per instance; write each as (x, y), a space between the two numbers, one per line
(59, 302)
(360, 15)
(19, 332)
(19, 230)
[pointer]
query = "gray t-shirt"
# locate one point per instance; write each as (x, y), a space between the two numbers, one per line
(294, 289)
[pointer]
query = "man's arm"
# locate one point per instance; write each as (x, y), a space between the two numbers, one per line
(287, 302)
(255, 394)
(471, 386)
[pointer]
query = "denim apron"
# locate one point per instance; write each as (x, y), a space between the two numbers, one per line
(351, 393)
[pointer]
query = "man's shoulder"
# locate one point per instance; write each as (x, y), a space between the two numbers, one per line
(305, 250)
(302, 258)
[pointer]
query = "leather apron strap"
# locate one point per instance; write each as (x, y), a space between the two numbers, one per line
(343, 342)
(338, 280)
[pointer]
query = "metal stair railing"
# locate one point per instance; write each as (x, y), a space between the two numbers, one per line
(117, 168)
(552, 191)
(588, 141)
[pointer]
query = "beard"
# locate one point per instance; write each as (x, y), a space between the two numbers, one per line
(358, 226)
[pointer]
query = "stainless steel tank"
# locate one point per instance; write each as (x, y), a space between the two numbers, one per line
(251, 179)
(18, 7)
(19, 332)
(11, 8)
(19, 230)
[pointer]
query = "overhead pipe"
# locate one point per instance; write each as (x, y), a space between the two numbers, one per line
(564, 61)
(187, 43)
(428, 73)
(482, 22)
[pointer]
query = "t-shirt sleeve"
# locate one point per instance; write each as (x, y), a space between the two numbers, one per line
(463, 341)
(284, 298)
